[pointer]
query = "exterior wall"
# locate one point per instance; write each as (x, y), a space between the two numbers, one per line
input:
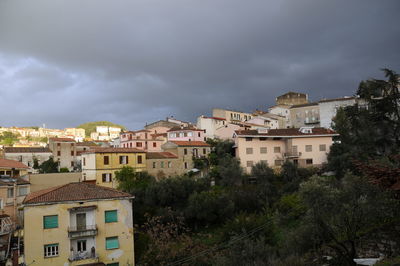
(141, 140)
(328, 109)
(67, 153)
(286, 151)
(186, 135)
(166, 167)
(27, 158)
(44, 181)
(35, 236)
(231, 115)
(282, 111)
(292, 98)
(227, 131)
(210, 125)
(12, 204)
(185, 162)
(95, 166)
(304, 116)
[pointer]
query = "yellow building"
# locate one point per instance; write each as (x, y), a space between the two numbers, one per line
(78, 224)
(100, 164)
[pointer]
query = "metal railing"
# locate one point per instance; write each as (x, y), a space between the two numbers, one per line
(82, 228)
(292, 154)
(83, 256)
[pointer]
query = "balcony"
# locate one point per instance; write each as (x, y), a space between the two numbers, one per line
(85, 255)
(292, 154)
(82, 231)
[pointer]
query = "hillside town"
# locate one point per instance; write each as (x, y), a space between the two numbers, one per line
(61, 185)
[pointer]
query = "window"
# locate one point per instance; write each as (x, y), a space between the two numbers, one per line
(123, 159)
(81, 245)
(10, 192)
(139, 159)
(84, 161)
(162, 164)
(72, 153)
(249, 150)
(199, 135)
(22, 191)
(154, 164)
(249, 139)
(186, 165)
(154, 144)
(50, 221)
(322, 147)
(112, 242)
(263, 150)
(106, 177)
(169, 164)
(263, 139)
(249, 163)
(106, 160)
(51, 250)
(204, 151)
(190, 134)
(309, 161)
(185, 134)
(185, 151)
(277, 149)
(138, 144)
(264, 162)
(308, 148)
(111, 216)
(58, 144)
(72, 164)
(278, 162)
(58, 153)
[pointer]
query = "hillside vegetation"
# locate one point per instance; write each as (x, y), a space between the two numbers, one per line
(90, 127)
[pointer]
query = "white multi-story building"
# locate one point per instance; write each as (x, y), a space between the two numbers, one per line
(329, 107)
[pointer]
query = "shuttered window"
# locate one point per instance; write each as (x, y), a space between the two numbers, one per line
(112, 242)
(111, 216)
(50, 221)
(113, 264)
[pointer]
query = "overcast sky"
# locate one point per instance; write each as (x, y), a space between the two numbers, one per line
(63, 63)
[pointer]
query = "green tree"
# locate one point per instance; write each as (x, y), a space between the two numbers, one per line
(49, 166)
(64, 170)
(229, 171)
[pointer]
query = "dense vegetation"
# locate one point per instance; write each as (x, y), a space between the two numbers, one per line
(90, 127)
(8, 138)
(293, 216)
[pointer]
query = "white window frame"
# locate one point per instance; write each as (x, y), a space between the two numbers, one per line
(51, 251)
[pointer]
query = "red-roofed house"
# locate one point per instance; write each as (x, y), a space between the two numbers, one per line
(145, 140)
(163, 164)
(305, 146)
(78, 224)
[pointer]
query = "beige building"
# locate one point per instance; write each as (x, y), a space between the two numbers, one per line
(163, 164)
(44, 181)
(304, 115)
(28, 155)
(303, 146)
(186, 150)
(64, 151)
(231, 115)
(78, 134)
(292, 98)
(78, 224)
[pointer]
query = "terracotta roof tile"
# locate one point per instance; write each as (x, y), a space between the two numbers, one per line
(190, 143)
(161, 155)
(78, 191)
(5, 163)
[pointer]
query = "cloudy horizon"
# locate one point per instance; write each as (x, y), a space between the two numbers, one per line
(63, 63)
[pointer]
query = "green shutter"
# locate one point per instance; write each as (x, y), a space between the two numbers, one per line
(113, 264)
(112, 242)
(111, 216)
(50, 221)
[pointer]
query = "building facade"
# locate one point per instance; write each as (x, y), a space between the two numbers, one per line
(28, 155)
(64, 151)
(305, 146)
(292, 98)
(163, 164)
(145, 140)
(182, 133)
(329, 107)
(304, 115)
(231, 115)
(78, 224)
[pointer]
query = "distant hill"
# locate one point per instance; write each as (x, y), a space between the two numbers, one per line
(90, 127)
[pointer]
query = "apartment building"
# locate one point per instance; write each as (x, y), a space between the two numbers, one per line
(185, 151)
(282, 111)
(12, 193)
(231, 115)
(182, 133)
(28, 155)
(145, 140)
(292, 98)
(329, 107)
(305, 146)
(64, 151)
(78, 224)
(100, 164)
(304, 115)
(163, 164)
(78, 134)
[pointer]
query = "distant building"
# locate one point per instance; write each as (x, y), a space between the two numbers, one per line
(231, 115)
(100, 164)
(281, 111)
(64, 151)
(78, 224)
(28, 155)
(292, 98)
(143, 140)
(329, 107)
(13, 168)
(163, 164)
(216, 127)
(304, 115)
(181, 133)
(78, 134)
(303, 146)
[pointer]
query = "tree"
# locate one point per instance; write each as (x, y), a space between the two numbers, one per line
(49, 166)
(229, 172)
(266, 181)
(340, 211)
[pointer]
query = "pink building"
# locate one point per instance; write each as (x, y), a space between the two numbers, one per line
(186, 134)
(145, 140)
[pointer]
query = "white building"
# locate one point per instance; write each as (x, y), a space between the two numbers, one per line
(329, 107)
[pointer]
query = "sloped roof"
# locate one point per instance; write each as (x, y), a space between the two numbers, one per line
(26, 149)
(338, 99)
(161, 155)
(113, 150)
(5, 163)
(287, 132)
(78, 191)
(190, 143)
(10, 181)
(303, 105)
(178, 128)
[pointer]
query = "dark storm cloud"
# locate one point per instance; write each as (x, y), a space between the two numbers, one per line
(67, 62)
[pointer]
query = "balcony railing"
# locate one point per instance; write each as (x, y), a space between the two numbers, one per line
(292, 154)
(83, 256)
(81, 231)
